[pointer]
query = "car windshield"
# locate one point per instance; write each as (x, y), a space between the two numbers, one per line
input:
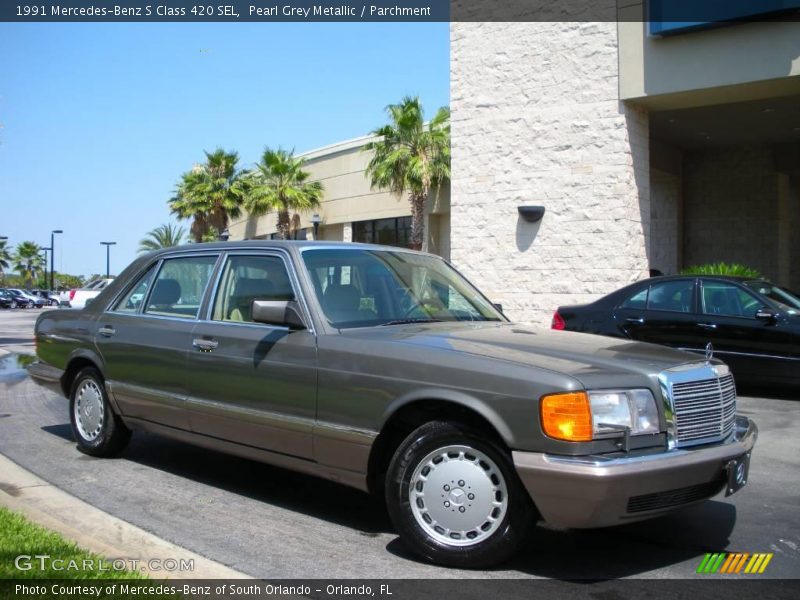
(779, 296)
(363, 288)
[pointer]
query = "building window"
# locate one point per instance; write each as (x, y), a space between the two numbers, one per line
(388, 232)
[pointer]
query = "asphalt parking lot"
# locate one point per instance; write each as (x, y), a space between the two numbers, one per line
(276, 524)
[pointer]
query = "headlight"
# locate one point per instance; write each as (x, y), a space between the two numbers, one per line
(613, 410)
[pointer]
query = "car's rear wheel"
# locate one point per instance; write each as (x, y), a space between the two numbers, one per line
(13, 304)
(454, 497)
(97, 429)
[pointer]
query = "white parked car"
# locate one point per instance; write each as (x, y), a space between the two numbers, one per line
(77, 298)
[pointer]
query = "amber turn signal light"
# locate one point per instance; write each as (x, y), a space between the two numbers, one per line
(567, 416)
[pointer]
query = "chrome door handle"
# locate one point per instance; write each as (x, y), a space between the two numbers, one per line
(637, 320)
(205, 345)
(707, 325)
(107, 331)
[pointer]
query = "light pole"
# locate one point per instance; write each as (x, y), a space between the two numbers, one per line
(45, 250)
(53, 254)
(108, 256)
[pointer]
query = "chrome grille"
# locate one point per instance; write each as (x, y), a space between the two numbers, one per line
(702, 403)
(704, 409)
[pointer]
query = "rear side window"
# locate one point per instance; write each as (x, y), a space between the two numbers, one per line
(638, 300)
(178, 289)
(674, 296)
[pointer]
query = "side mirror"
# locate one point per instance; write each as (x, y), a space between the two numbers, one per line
(277, 312)
(766, 314)
(498, 306)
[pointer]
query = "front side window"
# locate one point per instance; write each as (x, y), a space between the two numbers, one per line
(672, 296)
(729, 300)
(131, 301)
(178, 288)
(360, 288)
(248, 278)
(781, 297)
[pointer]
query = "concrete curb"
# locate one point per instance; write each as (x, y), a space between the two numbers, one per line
(95, 530)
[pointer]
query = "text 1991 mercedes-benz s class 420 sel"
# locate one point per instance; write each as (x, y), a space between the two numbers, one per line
(385, 370)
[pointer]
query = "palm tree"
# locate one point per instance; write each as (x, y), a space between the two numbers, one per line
(210, 194)
(5, 256)
(163, 236)
(28, 261)
(411, 157)
(279, 183)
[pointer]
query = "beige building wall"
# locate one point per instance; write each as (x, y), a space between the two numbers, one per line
(536, 120)
(348, 198)
(740, 62)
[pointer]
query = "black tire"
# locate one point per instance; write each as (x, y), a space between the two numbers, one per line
(482, 546)
(98, 434)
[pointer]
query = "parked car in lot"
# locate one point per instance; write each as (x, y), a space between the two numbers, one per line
(23, 300)
(78, 297)
(752, 324)
(50, 298)
(385, 370)
(6, 299)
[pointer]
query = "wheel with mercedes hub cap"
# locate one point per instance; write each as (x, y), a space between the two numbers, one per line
(97, 429)
(455, 498)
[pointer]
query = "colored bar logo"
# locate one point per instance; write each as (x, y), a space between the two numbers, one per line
(734, 563)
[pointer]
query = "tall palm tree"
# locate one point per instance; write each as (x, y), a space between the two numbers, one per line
(28, 261)
(210, 194)
(411, 157)
(163, 236)
(5, 256)
(279, 183)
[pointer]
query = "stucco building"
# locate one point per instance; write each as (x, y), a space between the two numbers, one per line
(649, 147)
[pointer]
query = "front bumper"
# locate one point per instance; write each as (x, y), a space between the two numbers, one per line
(597, 491)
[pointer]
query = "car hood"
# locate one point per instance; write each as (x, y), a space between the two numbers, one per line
(580, 355)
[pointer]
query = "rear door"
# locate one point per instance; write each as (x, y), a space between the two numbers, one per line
(663, 313)
(146, 334)
(252, 383)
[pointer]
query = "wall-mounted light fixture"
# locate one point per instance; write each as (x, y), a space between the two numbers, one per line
(315, 221)
(531, 214)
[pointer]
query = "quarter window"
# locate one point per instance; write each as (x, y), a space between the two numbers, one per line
(178, 289)
(131, 301)
(248, 278)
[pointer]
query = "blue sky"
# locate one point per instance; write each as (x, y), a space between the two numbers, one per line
(99, 120)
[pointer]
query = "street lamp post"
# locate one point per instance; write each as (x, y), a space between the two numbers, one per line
(53, 254)
(108, 256)
(45, 250)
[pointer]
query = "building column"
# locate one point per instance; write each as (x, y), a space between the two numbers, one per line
(347, 232)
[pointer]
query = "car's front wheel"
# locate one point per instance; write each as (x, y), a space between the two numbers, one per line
(454, 497)
(97, 429)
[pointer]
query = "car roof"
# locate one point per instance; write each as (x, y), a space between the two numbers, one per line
(286, 244)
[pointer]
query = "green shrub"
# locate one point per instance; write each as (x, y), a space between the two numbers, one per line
(721, 268)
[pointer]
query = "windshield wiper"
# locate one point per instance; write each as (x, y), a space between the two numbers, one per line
(407, 321)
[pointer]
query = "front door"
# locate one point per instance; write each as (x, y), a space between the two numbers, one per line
(252, 383)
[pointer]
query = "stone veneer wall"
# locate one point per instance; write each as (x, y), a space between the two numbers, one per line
(731, 208)
(536, 119)
(665, 198)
